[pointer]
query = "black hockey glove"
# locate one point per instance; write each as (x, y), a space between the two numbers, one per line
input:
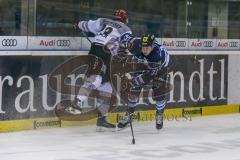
(75, 26)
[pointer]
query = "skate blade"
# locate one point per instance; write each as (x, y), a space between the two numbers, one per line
(120, 129)
(104, 129)
(72, 110)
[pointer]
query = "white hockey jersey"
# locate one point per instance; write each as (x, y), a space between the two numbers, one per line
(105, 30)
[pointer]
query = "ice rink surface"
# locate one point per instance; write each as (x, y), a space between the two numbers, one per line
(202, 138)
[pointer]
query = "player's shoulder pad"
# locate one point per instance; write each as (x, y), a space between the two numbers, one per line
(126, 36)
(125, 28)
(136, 41)
(164, 53)
(102, 20)
(106, 21)
(161, 48)
(157, 47)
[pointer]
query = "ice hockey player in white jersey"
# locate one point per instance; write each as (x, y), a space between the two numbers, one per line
(105, 30)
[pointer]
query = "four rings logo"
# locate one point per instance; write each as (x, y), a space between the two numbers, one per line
(9, 42)
(233, 44)
(208, 44)
(180, 44)
(63, 43)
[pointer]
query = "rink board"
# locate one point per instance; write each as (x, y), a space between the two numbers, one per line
(178, 114)
(220, 92)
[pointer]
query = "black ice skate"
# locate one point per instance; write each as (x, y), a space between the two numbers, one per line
(125, 122)
(159, 119)
(104, 125)
(75, 107)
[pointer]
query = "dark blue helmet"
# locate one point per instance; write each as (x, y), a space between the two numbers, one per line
(147, 40)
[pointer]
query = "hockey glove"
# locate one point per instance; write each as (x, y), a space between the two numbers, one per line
(137, 81)
(75, 26)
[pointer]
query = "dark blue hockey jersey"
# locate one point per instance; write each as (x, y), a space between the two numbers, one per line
(158, 55)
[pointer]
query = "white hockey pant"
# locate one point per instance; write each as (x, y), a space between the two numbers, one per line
(95, 82)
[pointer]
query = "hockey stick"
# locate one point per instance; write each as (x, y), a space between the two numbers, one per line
(75, 27)
(85, 35)
(133, 139)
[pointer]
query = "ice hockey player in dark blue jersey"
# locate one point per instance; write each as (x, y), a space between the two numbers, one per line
(151, 52)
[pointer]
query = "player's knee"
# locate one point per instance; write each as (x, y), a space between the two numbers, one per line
(158, 98)
(133, 98)
(95, 80)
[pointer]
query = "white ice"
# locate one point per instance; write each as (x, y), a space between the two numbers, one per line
(203, 138)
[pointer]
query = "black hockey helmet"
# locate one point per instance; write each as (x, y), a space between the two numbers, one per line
(147, 40)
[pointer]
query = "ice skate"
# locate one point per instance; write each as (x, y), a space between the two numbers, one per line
(104, 125)
(75, 107)
(125, 122)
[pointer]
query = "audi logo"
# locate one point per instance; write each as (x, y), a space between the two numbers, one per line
(208, 44)
(233, 44)
(180, 44)
(9, 42)
(63, 43)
